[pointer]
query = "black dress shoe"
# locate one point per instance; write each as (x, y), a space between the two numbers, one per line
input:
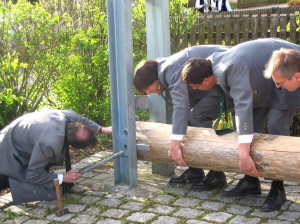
(274, 200)
(243, 187)
(187, 176)
(211, 182)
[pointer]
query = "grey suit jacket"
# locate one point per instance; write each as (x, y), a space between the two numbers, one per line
(169, 74)
(239, 71)
(30, 144)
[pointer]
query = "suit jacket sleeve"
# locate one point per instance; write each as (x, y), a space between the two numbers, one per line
(236, 81)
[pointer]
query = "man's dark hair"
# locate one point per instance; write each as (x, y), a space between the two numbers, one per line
(195, 70)
(87, 140)
(145, 73)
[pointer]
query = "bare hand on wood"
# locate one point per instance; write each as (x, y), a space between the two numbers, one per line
(175, 153)
(246, 163)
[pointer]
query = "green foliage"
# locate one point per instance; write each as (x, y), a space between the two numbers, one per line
(28, 65)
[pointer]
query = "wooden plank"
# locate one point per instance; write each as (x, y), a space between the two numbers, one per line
(273, 25)
(264, 26)
(201, 29)
(236, 29)
(210, 30)
(254, 27)
(275, 156)
(245, 27)
(282, 24)
(219, 26)
(227, 21)
(293, 27)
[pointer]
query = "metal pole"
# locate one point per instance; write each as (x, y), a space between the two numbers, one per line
(122, 91)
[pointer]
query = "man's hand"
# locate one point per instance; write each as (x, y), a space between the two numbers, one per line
(71, 176)
(246, 162)
(106, 130)
(175, 153)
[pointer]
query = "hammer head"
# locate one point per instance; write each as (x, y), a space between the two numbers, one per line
(62, 212)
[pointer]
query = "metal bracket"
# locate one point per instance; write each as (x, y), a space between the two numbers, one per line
(143, 147)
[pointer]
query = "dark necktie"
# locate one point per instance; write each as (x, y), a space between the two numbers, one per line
(223, 108)
(67, 186)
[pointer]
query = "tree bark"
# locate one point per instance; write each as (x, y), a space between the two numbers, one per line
(276, 157)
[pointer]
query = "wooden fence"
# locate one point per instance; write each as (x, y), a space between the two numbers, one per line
(234, 28)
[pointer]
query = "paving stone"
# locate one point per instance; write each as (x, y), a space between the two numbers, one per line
(276, 222)
(140, 217)
(86, 219)
(252, 201)
(109, 221)
(188, 213)
(237, 209)
(164, 199)
(241, 219)
(17, 220)
(110, 202)
(36, 222)
(3, 216)
(294, 206)
(95, 193)
(135, 206)
(102, 176)
(221, 198)
(114, 195)
(63, 218)
(92, 159)
(212, 205)
(88, 175)
(161, 209)
(265, 215)
(194, 221)
(92, 211)
(200, 194)
(176, 190)
(187, 202)
(89, 199)
(289, 216)
(17, 209)
(217, 217)
(38, 212)
(114, 213)
(165, 220)
(75, 208)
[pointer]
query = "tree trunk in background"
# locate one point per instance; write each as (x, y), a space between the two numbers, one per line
(276, 157)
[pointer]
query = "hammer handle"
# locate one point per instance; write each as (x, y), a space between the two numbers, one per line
(58, 194)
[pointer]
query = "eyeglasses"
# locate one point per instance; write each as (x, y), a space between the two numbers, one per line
(279, 84)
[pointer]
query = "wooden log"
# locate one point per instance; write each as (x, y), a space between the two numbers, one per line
(275, 156)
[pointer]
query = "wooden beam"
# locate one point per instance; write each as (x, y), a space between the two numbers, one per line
(276, 157)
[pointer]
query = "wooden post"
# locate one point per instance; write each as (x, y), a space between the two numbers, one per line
(276, 157)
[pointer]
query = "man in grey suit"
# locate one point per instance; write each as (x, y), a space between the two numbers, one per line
(190, 107)
(239, 72)
(33, 143)
(284, 68)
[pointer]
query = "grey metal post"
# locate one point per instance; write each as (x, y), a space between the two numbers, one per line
(122, 91)
(158, 45)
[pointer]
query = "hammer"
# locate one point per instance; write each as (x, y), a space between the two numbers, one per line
(62, 211)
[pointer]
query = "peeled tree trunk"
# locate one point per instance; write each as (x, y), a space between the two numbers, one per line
(275, 156)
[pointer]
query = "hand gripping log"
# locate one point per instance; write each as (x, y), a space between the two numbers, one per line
(62, 211)
(116, 155)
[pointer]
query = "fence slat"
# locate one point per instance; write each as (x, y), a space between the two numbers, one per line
(236, 29)
(254, 27)
(273, 25)
(210, 30)
(227, 21)
(283, 23)
(264, 26)
(219, 25)
(293, 27)
(246, 27)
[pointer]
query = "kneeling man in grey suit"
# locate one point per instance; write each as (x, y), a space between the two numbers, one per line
(239, 72)
(33, 143)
